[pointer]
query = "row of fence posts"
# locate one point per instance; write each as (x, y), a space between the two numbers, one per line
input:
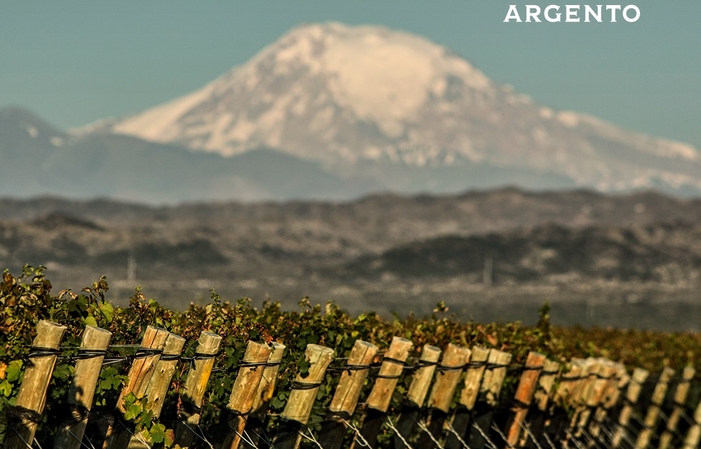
(591, 405)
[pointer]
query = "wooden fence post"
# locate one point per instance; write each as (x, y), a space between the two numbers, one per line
(653, 411)
(631, 398)
(195, 386)
(418, 390)
(557, 425)
(346, 396)
(581, 395)
(610, 396)
(380, 396)
(460, 421)
(299, 404)
(255, 427)
(452, 365)
(524, 394)
(31, 398)
(492, 381)
(541, 398)
(693, 436)
(596, 391)
(93, 348)
(680, 394)
(243, 393)
(140, 373)
(159, 383)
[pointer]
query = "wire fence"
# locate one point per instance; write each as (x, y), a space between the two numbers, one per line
(451, 399)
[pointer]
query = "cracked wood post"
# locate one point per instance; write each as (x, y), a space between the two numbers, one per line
(460, 420)
(346, 395)
(569, 382)
(380, 396)
(631, 398)
(80, 396)
(680, 395)
(137, 380)
(301, 399)
(580, 394)
(524, 395)
(449, 372)
(266, 389)
(595, 394)
(192, 395)
(159, 383)
(653, 411)
(492, 381)
(31, 397)
(612, 391)
(243, 393)
(418, 390)
(541, 398)
(693, 436)
(558, 423)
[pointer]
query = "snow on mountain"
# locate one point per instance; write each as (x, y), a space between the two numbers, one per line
(352, 96)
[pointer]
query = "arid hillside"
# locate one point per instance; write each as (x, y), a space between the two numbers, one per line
(387, 253)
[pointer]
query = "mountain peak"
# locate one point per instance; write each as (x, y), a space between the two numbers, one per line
(353, 97)
(21, 123)
(379, 74)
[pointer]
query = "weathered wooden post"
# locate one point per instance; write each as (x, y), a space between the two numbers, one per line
(452, 365)
(159, 383)
(460, 421)
(299, 404)
(380, 396)
(631, 398)
(578, 399)
(680, 394)
(243, 393)
(557, 425)
(524, 394)
(581, 395)
(140, 373)
(492, 381)
(93, 348)
(347, 393)
(31, 398)
(596, 392)
(192, 395)
(418, 390)
(653, 411)
(693, 436)
(610, 396)
(255, 426)
(594, 397)
(541, 399)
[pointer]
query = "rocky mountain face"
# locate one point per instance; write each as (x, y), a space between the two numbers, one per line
(410, 116)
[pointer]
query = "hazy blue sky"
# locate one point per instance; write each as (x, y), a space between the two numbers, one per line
(73, 62)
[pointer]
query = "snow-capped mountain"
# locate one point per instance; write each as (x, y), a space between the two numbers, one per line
(409, 113)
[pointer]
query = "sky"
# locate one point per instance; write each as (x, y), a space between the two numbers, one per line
(74, 62)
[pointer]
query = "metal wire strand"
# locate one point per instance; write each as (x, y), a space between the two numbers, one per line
(423, 427)
(452, 430)
(358, 436)
(485, 436)
(396, 431)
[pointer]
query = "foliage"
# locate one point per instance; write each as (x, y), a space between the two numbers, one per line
(26, 299)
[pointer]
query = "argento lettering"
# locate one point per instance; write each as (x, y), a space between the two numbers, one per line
(573, 13)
